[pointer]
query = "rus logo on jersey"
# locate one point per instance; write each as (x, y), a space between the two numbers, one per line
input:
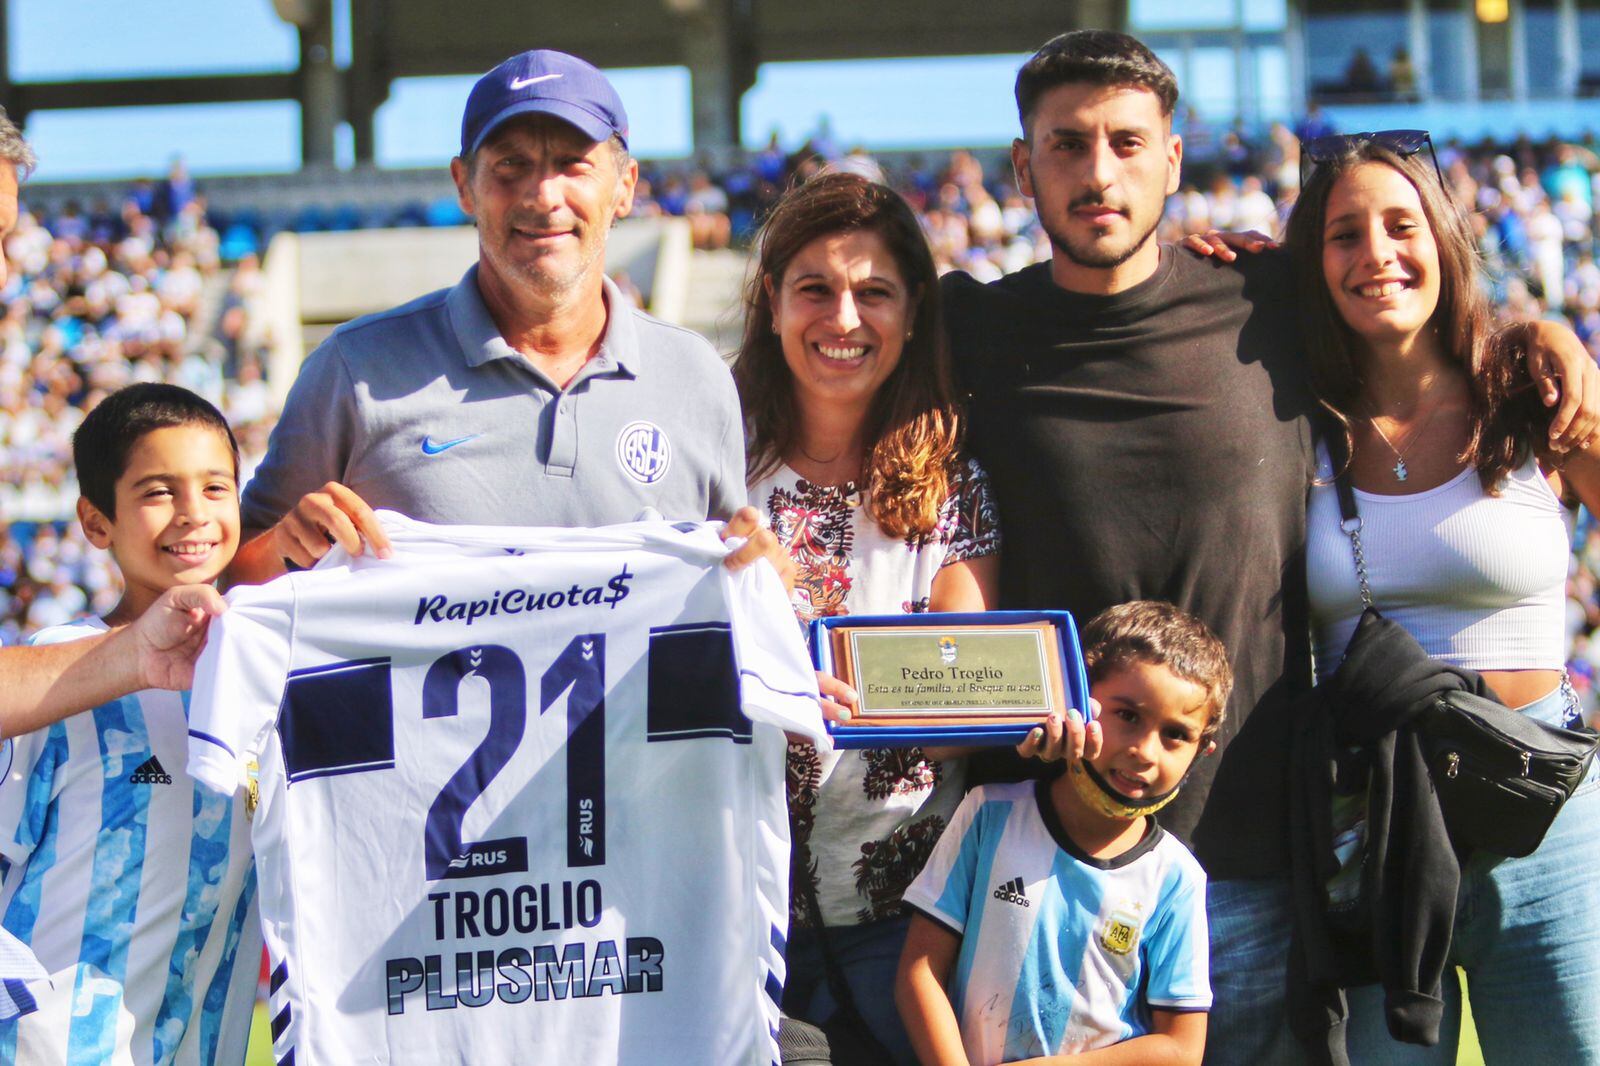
(441, 608)
(586, 826)
(487, 857)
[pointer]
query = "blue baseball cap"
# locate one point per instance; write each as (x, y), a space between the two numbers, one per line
(546, 81)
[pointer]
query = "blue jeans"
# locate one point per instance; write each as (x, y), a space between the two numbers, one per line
(868, 955)
(1251, 923)
(1527, 935)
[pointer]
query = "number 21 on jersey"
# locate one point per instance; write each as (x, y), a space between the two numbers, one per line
(692, 695)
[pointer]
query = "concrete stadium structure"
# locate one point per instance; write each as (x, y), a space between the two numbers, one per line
(1474, 67)
(721, 42)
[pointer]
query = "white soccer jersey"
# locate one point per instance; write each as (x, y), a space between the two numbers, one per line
(1060, 952)
(512, 808)
(131, 883)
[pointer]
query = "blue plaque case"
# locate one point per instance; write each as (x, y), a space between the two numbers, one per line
(1073, 675)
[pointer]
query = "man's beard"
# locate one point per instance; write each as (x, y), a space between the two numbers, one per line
(1095, 259)
(540, 278)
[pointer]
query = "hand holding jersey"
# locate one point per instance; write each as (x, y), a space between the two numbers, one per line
(334, 516)
(165, 641)
(42, 685)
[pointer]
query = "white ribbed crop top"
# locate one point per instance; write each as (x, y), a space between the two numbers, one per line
(1479, 580)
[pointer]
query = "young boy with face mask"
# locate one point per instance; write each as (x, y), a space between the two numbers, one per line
(1056, 917)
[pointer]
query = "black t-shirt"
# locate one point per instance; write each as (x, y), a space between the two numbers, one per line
(1156, 444)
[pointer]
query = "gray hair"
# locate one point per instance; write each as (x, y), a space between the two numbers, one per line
(13, 149)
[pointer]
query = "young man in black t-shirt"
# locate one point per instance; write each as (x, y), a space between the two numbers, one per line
(1144, 420)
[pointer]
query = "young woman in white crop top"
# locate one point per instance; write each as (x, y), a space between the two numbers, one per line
(1465, 546)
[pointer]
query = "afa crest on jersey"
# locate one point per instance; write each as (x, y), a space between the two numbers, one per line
(1120, 933)
(644, 451)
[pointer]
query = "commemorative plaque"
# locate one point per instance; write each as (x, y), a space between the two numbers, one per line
(952, 678)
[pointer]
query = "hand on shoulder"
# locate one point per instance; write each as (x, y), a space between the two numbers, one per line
(1226, 245)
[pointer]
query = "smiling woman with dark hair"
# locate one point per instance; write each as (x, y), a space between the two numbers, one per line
(854, 443)
(1464, 545)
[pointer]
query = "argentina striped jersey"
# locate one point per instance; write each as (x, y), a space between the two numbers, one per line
(1060, 952)
(132, 884)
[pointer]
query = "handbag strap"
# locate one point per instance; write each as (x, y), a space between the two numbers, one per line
(1349, 517)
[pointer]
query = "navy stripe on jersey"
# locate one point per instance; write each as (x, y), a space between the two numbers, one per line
(209, 739)
(337, 719)
(279, 1006)
(691, 627)
(580, 672)
(15, 1000)
(770, 687)
(694, 684)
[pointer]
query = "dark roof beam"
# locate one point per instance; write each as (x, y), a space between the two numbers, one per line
(27, 97)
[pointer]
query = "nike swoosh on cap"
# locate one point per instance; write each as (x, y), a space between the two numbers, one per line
(431, 448)
(523, 83)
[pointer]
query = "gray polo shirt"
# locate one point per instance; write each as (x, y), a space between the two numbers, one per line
(426, 410)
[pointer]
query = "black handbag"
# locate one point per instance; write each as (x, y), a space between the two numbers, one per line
(1501, 777)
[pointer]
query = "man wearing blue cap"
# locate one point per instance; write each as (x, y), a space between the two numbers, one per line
(532, 392)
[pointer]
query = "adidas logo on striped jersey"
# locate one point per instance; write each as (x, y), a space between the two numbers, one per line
(1012, 892)
(151, 772)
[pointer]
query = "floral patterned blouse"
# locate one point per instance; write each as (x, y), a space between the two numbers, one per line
(865, 821)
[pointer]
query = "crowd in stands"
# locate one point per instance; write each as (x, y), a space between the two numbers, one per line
(98, 297)
(117, 292)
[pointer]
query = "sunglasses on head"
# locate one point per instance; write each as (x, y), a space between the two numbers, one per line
(1336, 146)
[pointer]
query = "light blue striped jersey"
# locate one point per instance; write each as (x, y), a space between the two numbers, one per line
(1060, 952)
(132, 884)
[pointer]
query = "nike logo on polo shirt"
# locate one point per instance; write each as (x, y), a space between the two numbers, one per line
(430, 448)
(523, 83)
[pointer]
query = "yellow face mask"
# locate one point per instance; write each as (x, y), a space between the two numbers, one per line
(1100, 796)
